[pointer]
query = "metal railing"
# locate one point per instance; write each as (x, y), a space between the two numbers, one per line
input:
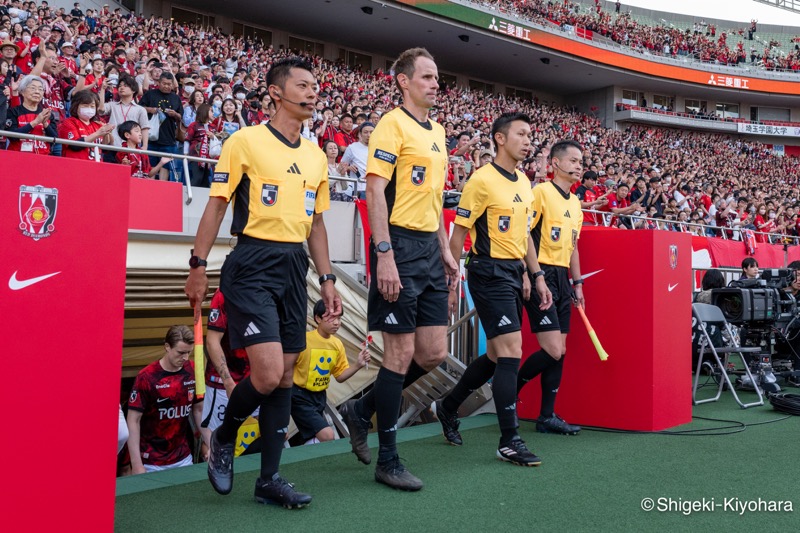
(605, 216)
(184, 158)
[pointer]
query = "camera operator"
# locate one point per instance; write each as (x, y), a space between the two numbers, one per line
(788, 345)
(749, 268)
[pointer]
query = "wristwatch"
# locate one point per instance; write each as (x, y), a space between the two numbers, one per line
(195, 261)
(537, 274)
(327, 277)
(383, 247)
(577, 281)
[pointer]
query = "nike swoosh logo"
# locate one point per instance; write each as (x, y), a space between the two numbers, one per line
(670, 288)
(162, 400)
(15, 284)
(590, 274)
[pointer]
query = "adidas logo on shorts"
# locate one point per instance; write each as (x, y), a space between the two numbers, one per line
(251, 330)
(504, 322)
(546, 322)
(390, 320)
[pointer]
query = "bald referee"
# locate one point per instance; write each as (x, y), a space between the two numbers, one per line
(557, 221)
(278, 183)
(411, 264)
(496, 209)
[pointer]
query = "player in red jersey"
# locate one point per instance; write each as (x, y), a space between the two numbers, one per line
(228, 367)
(161, 401)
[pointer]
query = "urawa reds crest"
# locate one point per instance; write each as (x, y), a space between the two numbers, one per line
(673, 256)
(37, 211)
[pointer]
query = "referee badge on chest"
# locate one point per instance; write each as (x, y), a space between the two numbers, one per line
(418, 175)
(503, 223)
(555, 234)
(269, 194)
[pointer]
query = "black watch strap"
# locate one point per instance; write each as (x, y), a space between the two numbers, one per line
(537, 274)
(327, 277)
(195, 262)
(577, 281)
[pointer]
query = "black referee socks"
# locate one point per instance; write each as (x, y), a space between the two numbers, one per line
(388, 391)
(533, 366)
(475, 376)
(243, 401)
(505, 397)
(551, 380)
(366, 407)
(273, 423)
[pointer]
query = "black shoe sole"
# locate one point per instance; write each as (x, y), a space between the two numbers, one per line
(518, 464)
(452, 443)
(557, 432)
(267, 501)
(404, 489)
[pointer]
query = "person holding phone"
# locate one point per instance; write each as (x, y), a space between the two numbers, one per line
(354, 160)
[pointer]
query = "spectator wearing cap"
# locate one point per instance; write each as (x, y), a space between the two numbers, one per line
(590, 199)
(485, 157)
(354, 161)
(9, 51)
(67, 57)
(187, 89)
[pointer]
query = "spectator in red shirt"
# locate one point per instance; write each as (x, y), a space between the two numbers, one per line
(83, 126)
(131, 133)
(30, 117)
(618, 204)
(589, 198)
(345, 136)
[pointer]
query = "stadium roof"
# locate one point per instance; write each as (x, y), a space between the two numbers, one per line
(738, 10)
(392, 28)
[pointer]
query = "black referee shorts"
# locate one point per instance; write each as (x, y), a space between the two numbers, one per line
(423, 298)
(496, 288)
(308, 409)
(264, 284)
(557, 317)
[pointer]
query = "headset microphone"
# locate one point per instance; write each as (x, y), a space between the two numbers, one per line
(301, 104)
(572, 173)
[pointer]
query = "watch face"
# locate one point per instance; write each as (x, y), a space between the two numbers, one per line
(383, 247)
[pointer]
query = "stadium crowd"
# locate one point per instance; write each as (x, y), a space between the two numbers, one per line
(702, 41)
(197, 86)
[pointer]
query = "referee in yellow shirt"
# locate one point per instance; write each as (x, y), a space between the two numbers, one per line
(496, 209)
(557, 222)
(411, 264)
(278, 183)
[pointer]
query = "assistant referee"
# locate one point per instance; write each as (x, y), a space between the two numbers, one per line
(557, 221)
(278, 183)
(496, 209)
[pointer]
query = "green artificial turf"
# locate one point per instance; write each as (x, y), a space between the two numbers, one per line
(595, 481)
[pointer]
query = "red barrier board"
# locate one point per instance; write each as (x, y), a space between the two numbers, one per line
(63, 232)
(155, 205)
(638, 292)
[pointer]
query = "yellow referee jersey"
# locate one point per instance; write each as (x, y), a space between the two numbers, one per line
(496, 207)
(276, 186)
(412, 155)
(557, 220)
